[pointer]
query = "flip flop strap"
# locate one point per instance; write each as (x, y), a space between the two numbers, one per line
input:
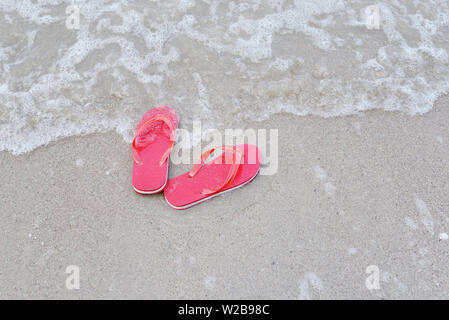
(237, 156)
(142, 127)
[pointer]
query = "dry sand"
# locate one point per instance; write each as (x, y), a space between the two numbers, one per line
(350, 192)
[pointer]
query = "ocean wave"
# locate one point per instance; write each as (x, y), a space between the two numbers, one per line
(221, 62)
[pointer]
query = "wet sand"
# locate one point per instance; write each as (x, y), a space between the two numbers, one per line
(351, 192)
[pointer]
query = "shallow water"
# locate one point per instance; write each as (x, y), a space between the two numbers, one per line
(221, 62)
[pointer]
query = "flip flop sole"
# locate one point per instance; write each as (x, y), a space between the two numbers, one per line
(153, 191)
(213, 196)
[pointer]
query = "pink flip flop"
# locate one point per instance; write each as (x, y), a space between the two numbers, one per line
(235, 167)
(151, 147)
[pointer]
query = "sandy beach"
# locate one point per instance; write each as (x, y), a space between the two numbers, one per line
(355, 207)
(350, 192)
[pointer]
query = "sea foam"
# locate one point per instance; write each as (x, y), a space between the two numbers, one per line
(221, 62)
